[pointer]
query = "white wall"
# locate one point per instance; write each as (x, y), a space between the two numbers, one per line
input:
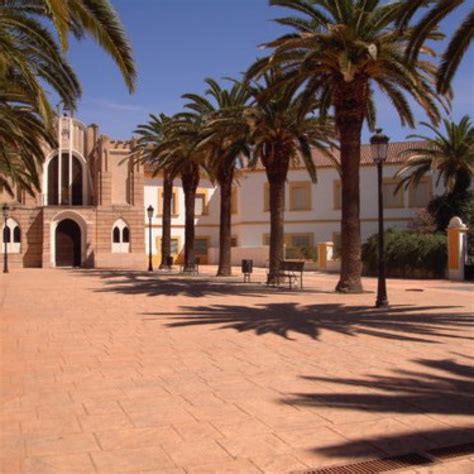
(252, 222)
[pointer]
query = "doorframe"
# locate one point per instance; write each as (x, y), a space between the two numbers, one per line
(53, 226)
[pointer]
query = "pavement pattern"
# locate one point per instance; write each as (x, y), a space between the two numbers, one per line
(123, 371)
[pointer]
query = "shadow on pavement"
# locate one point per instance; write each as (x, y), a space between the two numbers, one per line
(406, 323)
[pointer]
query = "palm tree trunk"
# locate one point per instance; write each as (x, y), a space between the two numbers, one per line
(166, 221)
(350, 100)
(277, 171)
(226, 178)
(190, 180)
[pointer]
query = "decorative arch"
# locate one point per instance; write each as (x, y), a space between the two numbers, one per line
(120, 236)
(80, 221)
(62, 185)
(11, 234)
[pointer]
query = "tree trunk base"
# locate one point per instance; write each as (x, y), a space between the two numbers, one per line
(349, 287)
(224, 272)
(164, 267)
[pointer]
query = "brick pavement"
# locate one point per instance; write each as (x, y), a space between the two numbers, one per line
(115, 372)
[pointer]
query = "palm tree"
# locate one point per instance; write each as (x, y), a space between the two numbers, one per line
(175, 154)
(223, 150)
(458, 44)
(30, 59)
(282, 133)
(337, 52)
(449, 154)
(95, 18)
(151, 136)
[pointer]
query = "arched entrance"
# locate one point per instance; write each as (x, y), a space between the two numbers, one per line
(68, 244)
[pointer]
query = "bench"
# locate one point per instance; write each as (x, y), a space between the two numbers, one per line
(291, 270)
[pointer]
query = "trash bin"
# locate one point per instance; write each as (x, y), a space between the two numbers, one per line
(247, 269)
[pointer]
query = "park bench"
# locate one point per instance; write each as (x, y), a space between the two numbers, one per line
(290, 270)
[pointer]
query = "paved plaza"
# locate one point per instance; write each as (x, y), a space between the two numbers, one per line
(117, 372)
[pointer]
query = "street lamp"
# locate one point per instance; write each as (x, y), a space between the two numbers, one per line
(6, 214)
(149, 212)
(379, 149)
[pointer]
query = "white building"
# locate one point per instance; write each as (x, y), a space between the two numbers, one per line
(312, 211)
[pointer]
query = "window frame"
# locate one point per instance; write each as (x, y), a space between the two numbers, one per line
(306, 185)
(399, 194)
(411, 190)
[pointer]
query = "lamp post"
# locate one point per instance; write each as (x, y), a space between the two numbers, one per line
(379, 149)
(6, 214)
(149, 212)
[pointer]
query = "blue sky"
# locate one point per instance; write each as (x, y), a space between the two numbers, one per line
(178, 43)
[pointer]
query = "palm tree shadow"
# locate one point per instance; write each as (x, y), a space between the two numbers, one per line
(442, 391)
(174, 284)
(407, 323)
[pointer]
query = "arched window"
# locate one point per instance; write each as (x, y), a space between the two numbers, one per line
(120, 237)
(11, 234)
(116, 235)
(125, 235)
(16, 235)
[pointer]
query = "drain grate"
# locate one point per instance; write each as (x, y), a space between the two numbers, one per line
(452, 451)
(374, 466)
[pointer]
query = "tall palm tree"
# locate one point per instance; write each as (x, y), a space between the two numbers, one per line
(223, 150)
(337, 51)
(450, 155)
(151, 136)
(175, 154)
(283, 132)
(458, 44)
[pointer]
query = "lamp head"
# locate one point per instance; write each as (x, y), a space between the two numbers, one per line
(150, 211)
(379, 146)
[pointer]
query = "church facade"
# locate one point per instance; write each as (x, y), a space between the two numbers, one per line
(91, 211)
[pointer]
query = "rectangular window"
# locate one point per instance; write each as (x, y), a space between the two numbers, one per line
(174, 204)
(200, 247)
(200, 204)
(420, 195)
(233, 242)
(337, 194)
(299, 240)
(234, 209)
(174, 246)
(392, 200)
(266, 239)
(300, 196)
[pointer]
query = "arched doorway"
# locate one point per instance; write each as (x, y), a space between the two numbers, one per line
(68, 244)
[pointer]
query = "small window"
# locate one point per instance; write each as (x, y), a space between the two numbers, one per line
(125, 235)
(120, 237)
(7, 235)
(392, 199)
(336, 239)
(11, 235)
(200, 204)
(233, 242)
(116, 235)
(200, 247)
(266, 239)
(419, 196)
(337, 194)
(174, 246)
(300, 196)
(16, 235)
